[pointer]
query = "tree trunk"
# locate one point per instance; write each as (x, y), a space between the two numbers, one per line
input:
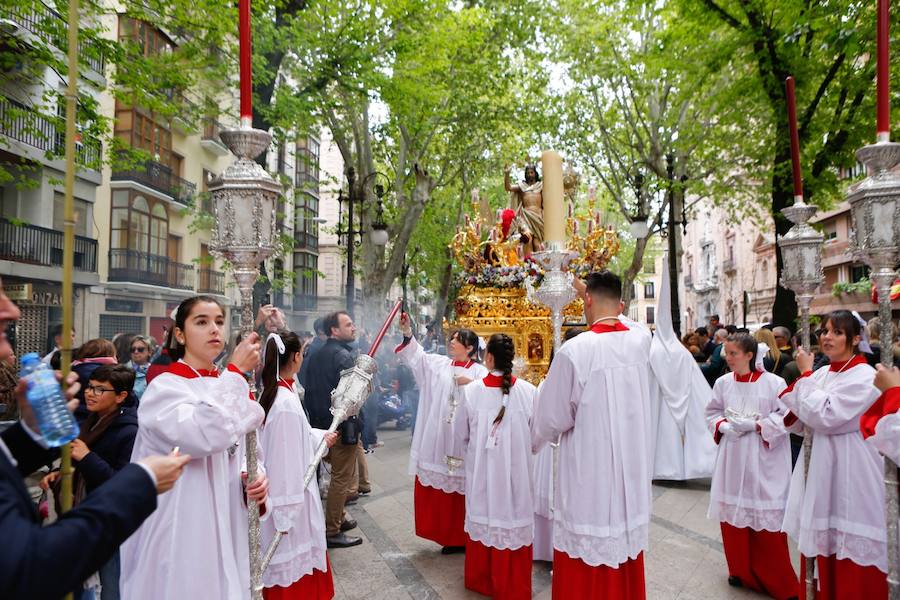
(637, 263)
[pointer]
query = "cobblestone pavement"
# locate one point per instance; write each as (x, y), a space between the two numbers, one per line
(685, 560)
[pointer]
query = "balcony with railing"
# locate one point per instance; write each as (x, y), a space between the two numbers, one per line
(159, 178)
(210, 281)
(306, 302)
(35, 17)
(210, 140)
(32, 128)
(140, 267)
(35, 245)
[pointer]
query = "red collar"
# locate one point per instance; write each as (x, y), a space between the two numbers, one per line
(858, 359)
(182, 369)
(463, 364)
(287, 384)
(604, 328)
(491, 380)
(749, 377)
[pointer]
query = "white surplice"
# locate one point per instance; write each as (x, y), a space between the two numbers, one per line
(289, 444)
(683, 448)
(597, 395)
(841, 511)
(498, 463)
(887, 437)
(753, 472)
(543, 484)
(195, 544)
(433, 438)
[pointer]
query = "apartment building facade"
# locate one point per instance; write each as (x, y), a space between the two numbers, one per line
(144, 228)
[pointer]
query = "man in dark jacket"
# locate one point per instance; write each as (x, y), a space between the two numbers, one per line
(47, 562)
(314, 346)
(322, 376)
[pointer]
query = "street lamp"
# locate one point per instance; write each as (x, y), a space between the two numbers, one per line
(638, 223)
(673, 247)
(378, 235)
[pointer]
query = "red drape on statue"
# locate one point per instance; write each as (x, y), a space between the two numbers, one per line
(440, 517)
(573, 578)
(760, 559)
(845, 580)
(500, 574)
(315, 586)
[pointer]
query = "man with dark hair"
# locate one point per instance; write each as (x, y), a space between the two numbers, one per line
(596, 399)
(53, 357)
(313, 347)
(704, 342)
(714, 323)
(322, 378)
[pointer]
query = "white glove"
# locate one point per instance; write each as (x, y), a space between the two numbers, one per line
(743, 424)
(728, 431)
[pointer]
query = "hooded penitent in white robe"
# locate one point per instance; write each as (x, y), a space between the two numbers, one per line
(679, 393)
(753, 471)
(841, 510)
(597, 396)
(195, 544)
(498, 463)
(433, 438)
(289, 444)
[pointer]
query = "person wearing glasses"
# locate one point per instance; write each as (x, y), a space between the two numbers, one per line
(102, 448)
(142, 348)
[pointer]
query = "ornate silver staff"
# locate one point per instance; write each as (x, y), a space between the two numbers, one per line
(875, 239)
(244, 199)
(555, 292)
(347, 399)
(801, 251)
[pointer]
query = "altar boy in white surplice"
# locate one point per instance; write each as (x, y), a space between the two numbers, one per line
(195, 544)
(597, 395)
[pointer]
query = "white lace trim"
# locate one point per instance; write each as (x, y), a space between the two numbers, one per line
(452, 484)
(596, 551)
(862, 550)
(501, 537)
(757, 519)
(290, 569)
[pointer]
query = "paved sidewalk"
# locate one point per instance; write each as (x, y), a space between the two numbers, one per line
(684, 562)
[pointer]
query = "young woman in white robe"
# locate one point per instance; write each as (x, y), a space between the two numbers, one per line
(195, 544)
(494, 427)
(299, 568)
(440, 504)
(838, 514)
(752, 472)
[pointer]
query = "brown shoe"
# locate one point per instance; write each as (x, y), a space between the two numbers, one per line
(348, 524)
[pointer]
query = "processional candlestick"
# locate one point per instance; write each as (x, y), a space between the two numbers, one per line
(801, 250)
(875, 239)
(244, 199)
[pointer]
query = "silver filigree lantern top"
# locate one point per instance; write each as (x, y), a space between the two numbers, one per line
(875, 235)
(244, 198)
(801, 250)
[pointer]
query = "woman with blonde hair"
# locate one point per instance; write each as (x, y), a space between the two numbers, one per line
(140, 350)
(773, 361)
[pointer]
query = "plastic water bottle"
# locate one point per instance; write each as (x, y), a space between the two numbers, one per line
(58, 426)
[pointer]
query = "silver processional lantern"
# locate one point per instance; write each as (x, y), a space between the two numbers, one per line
(875, 240)
(801, 272)
(244, 198)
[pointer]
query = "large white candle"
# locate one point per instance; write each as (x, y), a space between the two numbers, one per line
(554, 208)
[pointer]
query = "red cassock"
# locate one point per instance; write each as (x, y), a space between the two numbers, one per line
(845, 580)
(573, 578)
(440, 516)
(760, 559)
(318, 585)
(500, 574)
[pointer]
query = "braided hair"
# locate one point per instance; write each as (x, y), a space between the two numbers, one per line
(501, 347)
